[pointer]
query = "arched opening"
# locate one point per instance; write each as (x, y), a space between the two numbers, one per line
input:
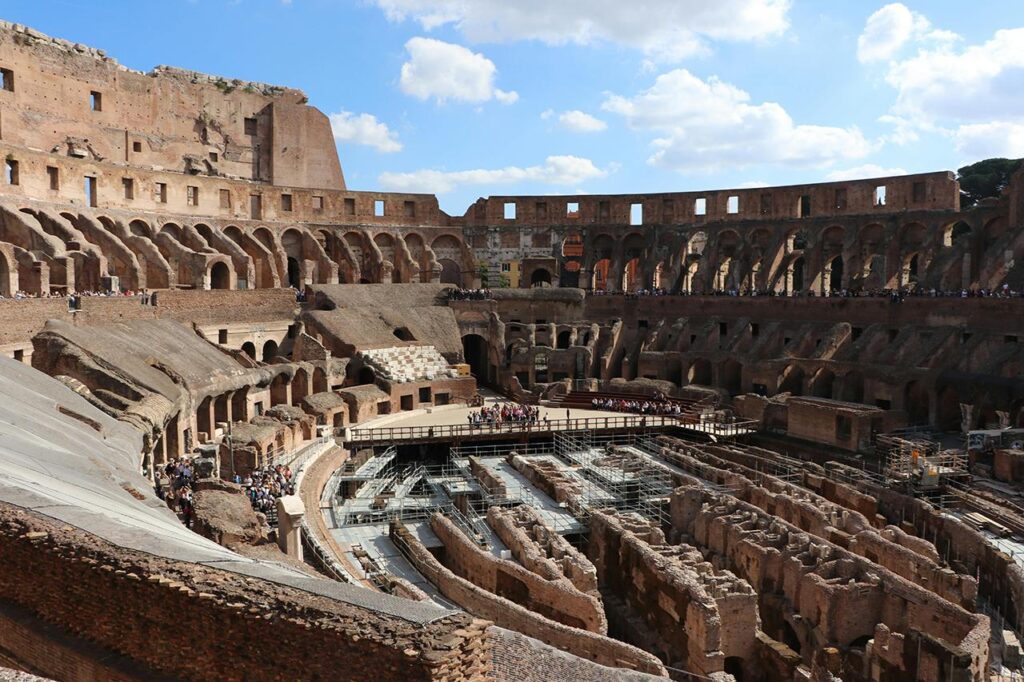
(955, 231)
(913, 267)
(294, 276)
(366, 376)
(948, 417)
(476, 350)
(835, 274)
(540, 278)
(734, 666)
(269, 351)
(822, 383)
(853, 387)
(279, 390)
(731, 376)
(792, 381)
(562, 342)
(797, 276)
(220, 276)
(404, 334)
(600, 279)
(450, 272)
(859, 642)
(300, 386)
(319, 380)
(631, 280)
(249, 348)
(915, 404)
(700, 372)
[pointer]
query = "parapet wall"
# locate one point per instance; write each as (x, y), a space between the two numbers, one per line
(154, 610)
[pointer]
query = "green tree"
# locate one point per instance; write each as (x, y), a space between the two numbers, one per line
(985, 179)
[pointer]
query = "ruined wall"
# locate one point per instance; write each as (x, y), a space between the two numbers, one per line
(135, 604)
(508, 614)
(554, 598)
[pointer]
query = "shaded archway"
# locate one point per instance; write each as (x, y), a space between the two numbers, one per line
(476, 350)
(540, 278)
(450, 272)
(853, 387)
(700, 372)
(948, 416)
(562, 342)
(366, 376)
(300, 385)
(269, 351)
(220, 276)
(792, 380)
(249, 348)
(294, 273)
(822, 383)
(731, 376)
(915, 404)
(319, 380)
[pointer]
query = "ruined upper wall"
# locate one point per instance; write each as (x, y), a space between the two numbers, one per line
(71, 100)
(924, 191)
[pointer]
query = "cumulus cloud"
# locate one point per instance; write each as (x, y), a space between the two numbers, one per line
(892, 27)
(364, 129)
(709, 125)
(973, 94)
(987, 140)
(556, 170)
(666, 30)
(576, 121)
(444, 71)
(868, 170)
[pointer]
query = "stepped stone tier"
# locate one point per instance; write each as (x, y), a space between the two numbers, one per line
(212, 348)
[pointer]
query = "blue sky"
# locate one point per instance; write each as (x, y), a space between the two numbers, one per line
(467, 98)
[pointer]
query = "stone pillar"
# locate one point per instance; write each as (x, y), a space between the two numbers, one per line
(967, 414)
(290, 511)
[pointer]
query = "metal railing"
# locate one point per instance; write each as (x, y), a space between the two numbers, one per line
(452, 431)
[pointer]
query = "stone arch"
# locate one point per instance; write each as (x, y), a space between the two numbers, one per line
(540, 277)
(731, 376)
(300, 385)
(477, 352)
(727, 273)
(448, 247)
(220, 275)
(823, 383)
(563, 339)
(700, 372)
(853, 387)
(269, 350)
(249, 348)
(791, 380)
(320, 384)
(264, 270)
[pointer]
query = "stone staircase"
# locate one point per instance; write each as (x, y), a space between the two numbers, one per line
(403, 364)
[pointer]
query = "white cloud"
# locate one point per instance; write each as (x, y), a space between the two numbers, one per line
(445, 71)
(666, 30)
(364, 129)
(556, 170)
(868, 170)
(710, 125)
(892, 27)
(576, 121)
(987, 140)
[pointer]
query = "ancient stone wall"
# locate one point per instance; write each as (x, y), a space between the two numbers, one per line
(554, 598)
(136, 605)
(508, 614)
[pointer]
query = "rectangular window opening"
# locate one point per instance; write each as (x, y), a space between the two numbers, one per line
(250, 126)
(604, 210)
(7, 80)
(378, 207)
(919, 192)
(880, 195)
(510, 210)
(409, 209)
(136, 146)
(161, 193)
(766, 204)
(572, 209)
(11, 171)
(90, 189)
(841, 199)
(53, 173)
(129, 188)
(214, 157)
(256, 206)
(225, 199)
(318, 203)
(222, 336)
(542, 210)
(286, 203)
(700, 206)
(732, 204)
(350, 206)
(636, 214)
(96, 101)
(804, 208)
(192, 195)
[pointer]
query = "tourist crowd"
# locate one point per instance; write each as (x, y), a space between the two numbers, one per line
(181, 477)
(894, 295)
(469, 294)
(505, 413)
(74, 297)
(657, 406)
(264, 486)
